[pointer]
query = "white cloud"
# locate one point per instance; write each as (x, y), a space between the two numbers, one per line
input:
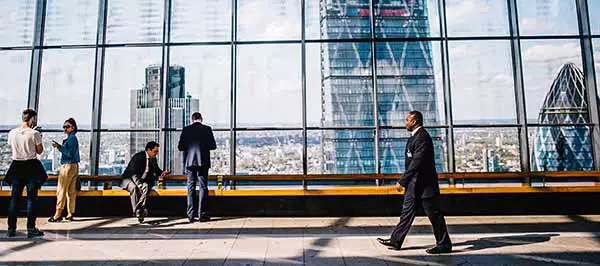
(534, 25)
(553, 51)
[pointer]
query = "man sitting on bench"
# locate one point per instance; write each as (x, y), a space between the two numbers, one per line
(139, 177)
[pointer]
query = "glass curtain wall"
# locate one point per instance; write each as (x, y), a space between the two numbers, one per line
(306, 86)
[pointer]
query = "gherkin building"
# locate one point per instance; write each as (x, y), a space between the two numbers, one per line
(564, 148)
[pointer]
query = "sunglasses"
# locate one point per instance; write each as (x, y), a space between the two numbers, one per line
(66, 126)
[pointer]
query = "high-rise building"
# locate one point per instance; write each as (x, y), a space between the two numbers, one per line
(405, 81)
(180, 115)
(564, 148)
(146, 111)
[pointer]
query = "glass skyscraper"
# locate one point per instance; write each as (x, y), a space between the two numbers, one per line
(405, 82)
(566, 148)
(146, 110)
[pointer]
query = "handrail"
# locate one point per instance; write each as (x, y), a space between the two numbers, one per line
(232, 181)
(358, 177)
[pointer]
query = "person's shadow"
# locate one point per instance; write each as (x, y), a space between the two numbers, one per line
(497, 242)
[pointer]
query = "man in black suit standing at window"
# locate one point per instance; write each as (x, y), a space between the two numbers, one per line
(196, 142)
(139, 178)
(420, 181)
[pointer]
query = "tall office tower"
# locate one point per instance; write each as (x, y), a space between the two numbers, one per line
(564, 148)
(146, 110)
(405, 82)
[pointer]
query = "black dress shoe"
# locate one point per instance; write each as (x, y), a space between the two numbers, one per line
(439, 250)
(191, 219)
(34, 232)
(11, 232)
(55, 220)
(389, 243)
(140, 217)
(204, 219)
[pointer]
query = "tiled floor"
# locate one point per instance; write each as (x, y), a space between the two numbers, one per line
(489, 240)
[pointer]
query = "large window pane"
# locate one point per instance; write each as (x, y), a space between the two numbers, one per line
(219, 158)
(594, 10)
(339, 84)
(131, 96)
(482, 82)
(268, 152)
(5, 153)
(392, 147)
(135, 21)
(269, 86)
(487, 150)
(337, 19)
(71, 22)
(409, 78)
(200, 77)
(477, 17)
(14, 66)
(118, 148)
(200, 20)
(547, 17)
(341, 152)
(51, 156)
(596, 44)
(567, 148)
(16, 22)
(13, 97)
(66, 87)
(268, 20)
(554, 87)
(400, 19)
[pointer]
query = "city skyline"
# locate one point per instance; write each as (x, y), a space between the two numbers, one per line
(268, 77)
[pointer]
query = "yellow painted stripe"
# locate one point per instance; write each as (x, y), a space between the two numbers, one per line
(338, 191)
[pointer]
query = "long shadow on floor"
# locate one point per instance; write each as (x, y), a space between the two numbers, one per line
(496, 242)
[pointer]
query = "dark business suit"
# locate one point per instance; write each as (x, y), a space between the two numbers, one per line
(420, 181)
(138, 182)
(196, 142)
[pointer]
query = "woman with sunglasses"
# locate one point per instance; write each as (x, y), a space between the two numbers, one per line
(66, 189)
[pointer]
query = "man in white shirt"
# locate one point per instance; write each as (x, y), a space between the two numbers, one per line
(25, 171)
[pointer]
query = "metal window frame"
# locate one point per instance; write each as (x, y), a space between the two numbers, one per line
(587, 53)
(585, 37)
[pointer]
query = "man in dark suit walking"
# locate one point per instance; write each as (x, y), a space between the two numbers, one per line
(140, 176)
(196, 142)
(420, 181)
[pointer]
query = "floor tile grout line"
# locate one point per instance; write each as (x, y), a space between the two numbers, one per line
(197, 244)
(234, 241)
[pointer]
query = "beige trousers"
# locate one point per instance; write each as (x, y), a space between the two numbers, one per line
(66, 190)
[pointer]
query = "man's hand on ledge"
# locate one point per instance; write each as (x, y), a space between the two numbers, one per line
(399, 187)
(164, 173)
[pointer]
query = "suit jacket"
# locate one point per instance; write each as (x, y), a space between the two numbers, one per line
(420, 178)
(136, 168)
(196, 142)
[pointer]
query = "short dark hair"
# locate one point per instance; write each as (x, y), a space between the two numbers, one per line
(418, 117)
(196, 116)
(151, 145)
(71, 121)
(28, 114)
